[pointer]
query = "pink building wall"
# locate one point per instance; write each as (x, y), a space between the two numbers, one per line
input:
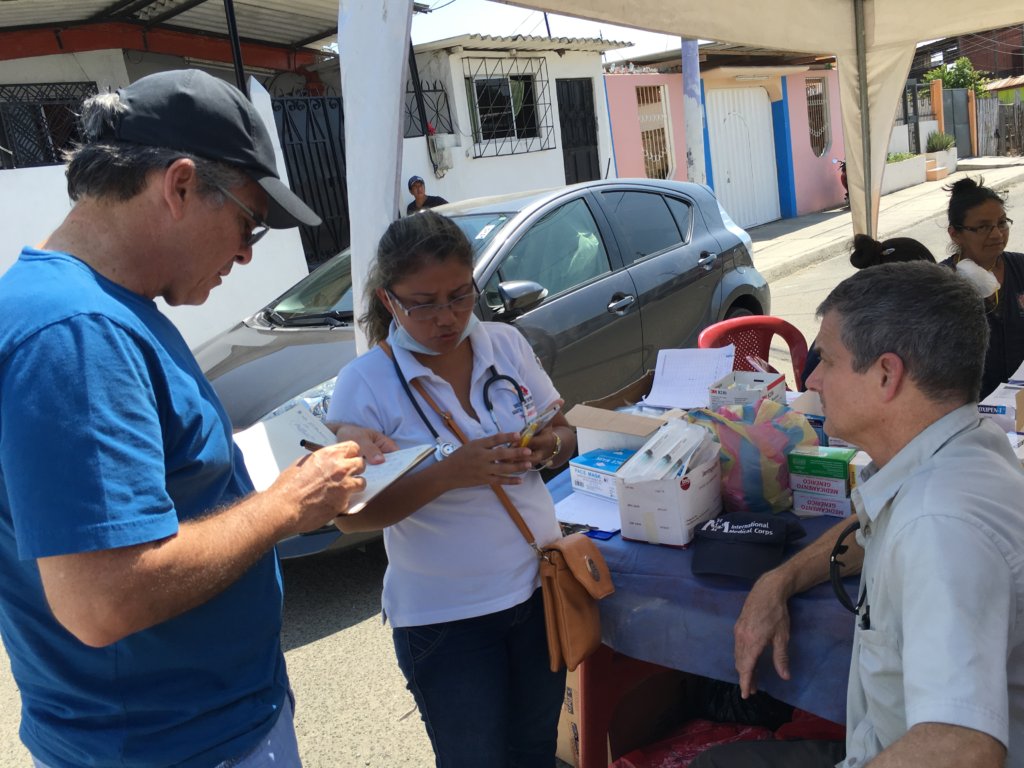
(622, 108)
(816, 179)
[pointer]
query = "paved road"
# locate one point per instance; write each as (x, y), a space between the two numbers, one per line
(352, 706)
(796, 296)
(353, 709)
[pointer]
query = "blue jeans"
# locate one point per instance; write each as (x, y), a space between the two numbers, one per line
(484, 688)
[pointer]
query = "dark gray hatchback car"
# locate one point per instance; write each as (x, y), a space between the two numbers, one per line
(598, 276)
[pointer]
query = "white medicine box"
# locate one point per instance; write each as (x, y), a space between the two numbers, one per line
(747, 387)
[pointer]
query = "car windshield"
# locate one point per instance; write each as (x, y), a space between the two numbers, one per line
(325, 296)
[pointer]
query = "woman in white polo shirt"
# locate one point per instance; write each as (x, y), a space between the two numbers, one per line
(461, 589)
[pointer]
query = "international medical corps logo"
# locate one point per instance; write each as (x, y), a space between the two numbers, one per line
(750, 528)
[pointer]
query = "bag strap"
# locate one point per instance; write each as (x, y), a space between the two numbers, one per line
(449, 421)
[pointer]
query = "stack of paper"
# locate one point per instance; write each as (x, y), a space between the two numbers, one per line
(272, 445)
(683, 377)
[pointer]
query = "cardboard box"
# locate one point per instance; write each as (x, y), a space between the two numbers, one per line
(567, 748)
(1006, 406)
(599, 425)
(857, 466)
(667, 511)
(747, 387)
(813, 504)
(594, 471)
(821, 461)
(1017, 445)
(832, 487)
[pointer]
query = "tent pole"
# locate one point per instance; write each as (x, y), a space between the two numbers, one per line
(236, 47)
(865, 117)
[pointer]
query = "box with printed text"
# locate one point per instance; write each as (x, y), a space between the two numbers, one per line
(834, 487)
(814, 504)
(821, 461)
(743, 387)
(594, 471)
(667, 511)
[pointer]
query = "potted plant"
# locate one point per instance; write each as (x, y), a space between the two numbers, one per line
(941, 147)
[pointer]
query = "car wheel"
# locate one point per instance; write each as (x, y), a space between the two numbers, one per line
(738, 312)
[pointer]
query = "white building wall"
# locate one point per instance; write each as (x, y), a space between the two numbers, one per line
(105, 68)
(34, 201)
(481, 176)
(899, 140)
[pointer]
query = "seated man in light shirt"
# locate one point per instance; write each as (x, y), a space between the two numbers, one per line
(937, 673)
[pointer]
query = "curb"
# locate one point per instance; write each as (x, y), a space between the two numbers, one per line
(806, 259)
(842, 247)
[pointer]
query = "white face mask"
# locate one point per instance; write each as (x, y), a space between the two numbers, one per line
(400, 337)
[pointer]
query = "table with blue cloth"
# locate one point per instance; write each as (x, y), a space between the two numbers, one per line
(661, 613)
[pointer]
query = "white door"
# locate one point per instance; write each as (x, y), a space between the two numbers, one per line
(743, 154)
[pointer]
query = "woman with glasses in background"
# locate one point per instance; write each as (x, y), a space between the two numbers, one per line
(462, 588)
(979, 230)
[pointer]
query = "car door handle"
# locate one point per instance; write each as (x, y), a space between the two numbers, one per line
(619, 306)
(707, 259)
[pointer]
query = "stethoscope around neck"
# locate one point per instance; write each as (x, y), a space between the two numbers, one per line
(446, 448)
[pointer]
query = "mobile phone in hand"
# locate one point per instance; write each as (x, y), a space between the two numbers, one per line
(539, 422)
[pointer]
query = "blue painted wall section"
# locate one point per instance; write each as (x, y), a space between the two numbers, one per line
(784, 153)
(709, 166)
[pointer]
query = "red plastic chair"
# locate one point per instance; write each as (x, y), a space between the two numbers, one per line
(752, 336)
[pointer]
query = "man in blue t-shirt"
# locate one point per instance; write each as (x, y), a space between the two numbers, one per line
(140, 595)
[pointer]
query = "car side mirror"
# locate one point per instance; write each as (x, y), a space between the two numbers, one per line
(519, 296)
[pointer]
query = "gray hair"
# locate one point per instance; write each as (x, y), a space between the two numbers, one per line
(926, 314)
(101, 167)
(406, 246)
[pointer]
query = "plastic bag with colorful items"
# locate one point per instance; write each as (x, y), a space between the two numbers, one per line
(755, 439)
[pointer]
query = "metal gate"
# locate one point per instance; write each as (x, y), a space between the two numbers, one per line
(312, 132)
(578, 124)
(743, 154)
(955, 120)
(38, 121)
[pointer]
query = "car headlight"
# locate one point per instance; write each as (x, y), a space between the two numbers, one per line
(317, 398)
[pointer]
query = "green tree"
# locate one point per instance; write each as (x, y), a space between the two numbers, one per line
(961, 74)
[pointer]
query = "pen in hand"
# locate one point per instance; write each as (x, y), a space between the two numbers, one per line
(309, 445)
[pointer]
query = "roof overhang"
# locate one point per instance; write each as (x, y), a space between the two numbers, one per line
(516, 43)
(303, 26)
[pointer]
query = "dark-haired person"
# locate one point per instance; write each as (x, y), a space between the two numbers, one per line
(979, 230)
(461, 590)
(421, 201)
(140, 594)
(937, 669)
(868, 252)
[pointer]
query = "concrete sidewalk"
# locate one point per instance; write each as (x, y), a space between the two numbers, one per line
(788, 245)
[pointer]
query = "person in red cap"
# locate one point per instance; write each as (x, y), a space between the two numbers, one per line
(140, 592)
(421, 200)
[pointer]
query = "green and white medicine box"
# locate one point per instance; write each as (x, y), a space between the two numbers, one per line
(821, 461)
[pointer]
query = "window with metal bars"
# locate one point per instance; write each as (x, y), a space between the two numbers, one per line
(818, 124)
(509, 105)
(38, 121)
(652, 110)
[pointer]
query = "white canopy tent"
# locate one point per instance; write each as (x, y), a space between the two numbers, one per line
(873, 40)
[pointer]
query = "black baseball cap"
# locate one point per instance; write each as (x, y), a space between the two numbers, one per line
(415, 180)
(743, 544)
(194, 112)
